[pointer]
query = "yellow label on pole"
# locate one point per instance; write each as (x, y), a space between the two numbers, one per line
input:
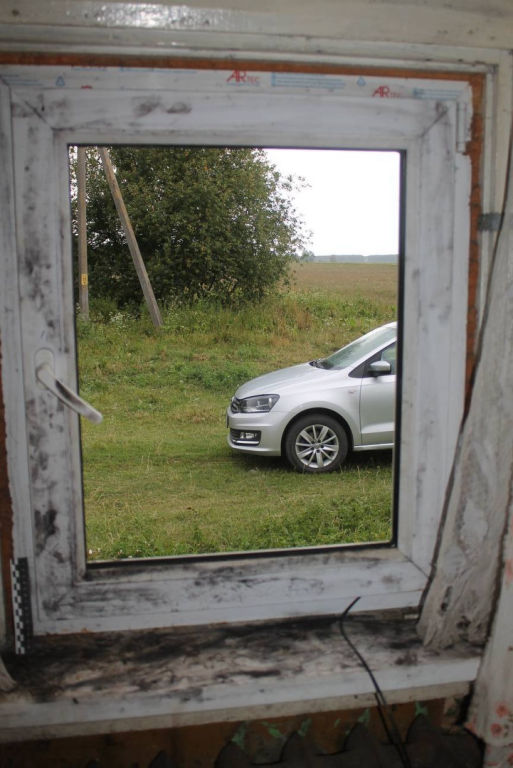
(83, 280)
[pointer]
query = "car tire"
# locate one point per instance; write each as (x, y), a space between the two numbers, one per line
(316, 443)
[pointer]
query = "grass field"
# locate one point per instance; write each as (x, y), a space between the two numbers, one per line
(159, 477)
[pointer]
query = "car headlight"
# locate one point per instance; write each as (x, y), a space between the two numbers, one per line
(258, 404)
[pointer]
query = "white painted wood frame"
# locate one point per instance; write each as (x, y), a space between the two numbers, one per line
(53, 107)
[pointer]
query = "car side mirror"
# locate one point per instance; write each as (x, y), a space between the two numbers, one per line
(379, 368)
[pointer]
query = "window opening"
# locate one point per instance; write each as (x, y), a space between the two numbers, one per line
(261, 260)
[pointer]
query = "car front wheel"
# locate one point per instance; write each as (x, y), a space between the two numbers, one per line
(316, 443)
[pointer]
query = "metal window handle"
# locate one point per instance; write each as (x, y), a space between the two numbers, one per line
(47, 378)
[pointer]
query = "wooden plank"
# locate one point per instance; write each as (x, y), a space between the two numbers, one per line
(142, 274)
(66, 22)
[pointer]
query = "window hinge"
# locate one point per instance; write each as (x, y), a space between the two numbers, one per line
(21, 606)
(489, 222)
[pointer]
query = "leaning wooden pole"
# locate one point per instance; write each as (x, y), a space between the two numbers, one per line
(83, 276)
(131, 239)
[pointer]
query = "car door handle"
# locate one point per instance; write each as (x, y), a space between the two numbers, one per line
(46, 377)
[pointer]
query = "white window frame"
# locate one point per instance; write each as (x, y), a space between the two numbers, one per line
(45, 109)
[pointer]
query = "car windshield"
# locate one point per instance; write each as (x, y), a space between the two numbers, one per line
(357, 349)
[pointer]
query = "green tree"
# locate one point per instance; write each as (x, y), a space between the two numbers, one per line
(210, 222)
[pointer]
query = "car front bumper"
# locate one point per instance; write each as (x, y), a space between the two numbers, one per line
(257, 433)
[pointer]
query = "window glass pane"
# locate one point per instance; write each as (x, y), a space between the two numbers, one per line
(222, 427)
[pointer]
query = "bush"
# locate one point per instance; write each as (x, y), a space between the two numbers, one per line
(215, 223)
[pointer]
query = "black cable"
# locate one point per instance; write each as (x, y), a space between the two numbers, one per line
(385, 713)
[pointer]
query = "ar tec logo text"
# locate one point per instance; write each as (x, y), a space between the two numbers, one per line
(241, 77)
(385, 92)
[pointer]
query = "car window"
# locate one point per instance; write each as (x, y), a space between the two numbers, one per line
(388, 354)
(353, 352)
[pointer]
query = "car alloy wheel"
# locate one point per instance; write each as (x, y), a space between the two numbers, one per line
(316, 443)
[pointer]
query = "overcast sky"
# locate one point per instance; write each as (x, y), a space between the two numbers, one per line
(352, 202)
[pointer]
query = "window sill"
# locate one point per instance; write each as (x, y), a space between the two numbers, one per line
(168, 678)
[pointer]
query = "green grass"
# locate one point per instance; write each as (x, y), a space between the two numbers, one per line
(159, 477)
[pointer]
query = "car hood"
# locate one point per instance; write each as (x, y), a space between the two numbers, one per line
(278, 382)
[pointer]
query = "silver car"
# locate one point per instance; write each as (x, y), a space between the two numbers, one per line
(316, 412)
